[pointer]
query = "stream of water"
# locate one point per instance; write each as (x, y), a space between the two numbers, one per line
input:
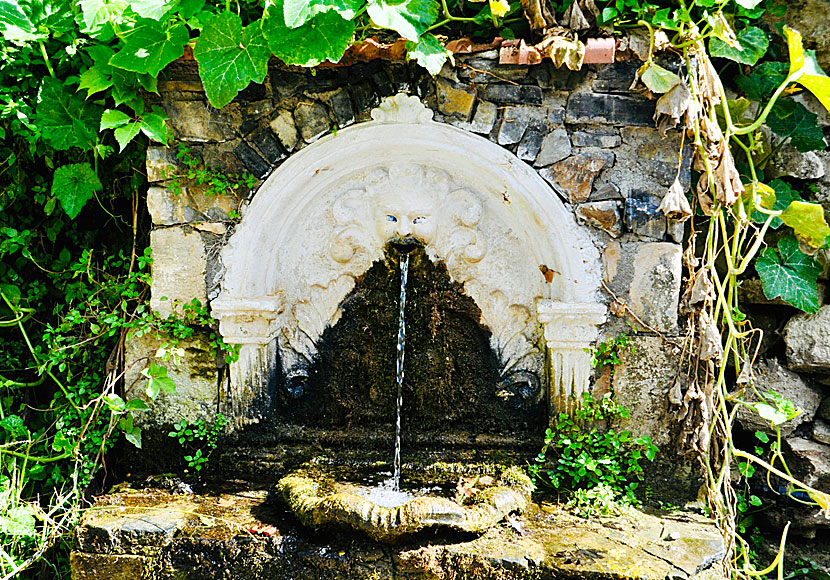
(396, 476)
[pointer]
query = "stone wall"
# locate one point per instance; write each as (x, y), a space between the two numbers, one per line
(586, 133)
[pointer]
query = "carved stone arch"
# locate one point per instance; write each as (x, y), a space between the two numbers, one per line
(324, 216)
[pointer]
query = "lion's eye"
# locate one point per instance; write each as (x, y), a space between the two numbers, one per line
(420, 219)
(391, 218)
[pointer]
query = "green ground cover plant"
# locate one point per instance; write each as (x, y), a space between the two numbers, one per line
(73, 269)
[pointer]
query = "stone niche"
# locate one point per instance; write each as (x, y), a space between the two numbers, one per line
(525, 192)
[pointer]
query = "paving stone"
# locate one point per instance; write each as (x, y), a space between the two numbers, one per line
(770, 375)
(179, 264)
(521, 94)
(556, 146)
(643, 216)
(655, 287)
(286, 131)
(251, 160)
(312, 119)
(531, 143)
(597, 138)
(604, 215)
(455, 100)
(807, 337)
(611, 109)
(341, 107)
(576, 174)
(513, 126)
(485, 118)
(268, 145)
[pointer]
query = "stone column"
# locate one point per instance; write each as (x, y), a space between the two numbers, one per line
(570, 330)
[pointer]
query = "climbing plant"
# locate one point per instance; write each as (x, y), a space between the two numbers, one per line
(74, 127)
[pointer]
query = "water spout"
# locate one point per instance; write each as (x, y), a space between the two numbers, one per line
(396, 476)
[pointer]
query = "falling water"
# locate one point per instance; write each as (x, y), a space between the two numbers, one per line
(396, 478)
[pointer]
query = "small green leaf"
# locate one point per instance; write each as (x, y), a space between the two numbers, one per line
(324, 37)
(115, 403)
(151, 47)
(657, 78)
(126, 134)
(18, 521)
(757, 194)
(753, 41)
(761, 436)
(807, 220)
(137, 405)
(13, 425)
(298, 12)
(229, 57)
(791, 119)
(409, 18)
(113, 118)
(74, 185)
(429, 52)
(134, 436)
(790, 274)
(65, 119)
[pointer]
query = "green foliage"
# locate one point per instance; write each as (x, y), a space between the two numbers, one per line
(211, 179)
(792, 120)
(429, 52)
(607, 353)
(200, 438)
(588, 452)
(151, 46)
(751, 44)
(73, 186)
(789, 274)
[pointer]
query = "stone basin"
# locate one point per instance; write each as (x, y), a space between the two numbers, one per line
(312, 495)
(234, 532)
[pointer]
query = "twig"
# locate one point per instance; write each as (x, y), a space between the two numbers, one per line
(487, 72)
(637, 319)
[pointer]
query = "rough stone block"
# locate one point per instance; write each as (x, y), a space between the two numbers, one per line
(604, 192)
(790, 162)
(179, 265)
(616, 77)
(824, 410)
(106, 566)
(196, 121)
(807, 337)
(519, 94)
(771, 376)
(313, 121)
(607, 138)
(481, 70)
(341, 106)
(641, 383)
(611, 109)
(484, 118)
(455, 100)
(604, 215)
(530, 144)
(643, 216)
(576, 174)
(161, 163)
(187, 207)
(821, 431)
(556, 146)
(810, 461)
(251, 160)
(268, 145)
(285, 130)
(655, 287)
(364, 97)
(196, 377)
(513, 127)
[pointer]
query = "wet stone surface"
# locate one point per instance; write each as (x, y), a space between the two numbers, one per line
(235, 532)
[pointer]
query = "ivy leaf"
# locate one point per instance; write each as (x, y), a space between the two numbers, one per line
(65, 119)
(807, 220)
(73, 186)
(409, 18)
(151, 47)
(804, 62)
(763, 80)
(126, 134)
(429, 52)
(153, 9)
(790, 274)
(298, 12)
(324, 37)
(229, 57)
(657, 78)
(99, 13)
(783, 196)
(31, 20)
(791, 119)
(753, 41)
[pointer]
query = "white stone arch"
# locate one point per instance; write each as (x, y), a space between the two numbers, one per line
(312, 228)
